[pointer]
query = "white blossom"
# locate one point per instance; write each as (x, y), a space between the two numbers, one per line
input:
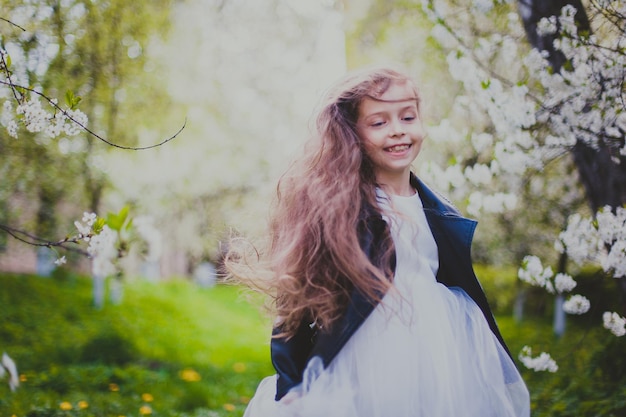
(568, 24)
(580, 239)
(613, 132)
(483, 6)
(73, 128)
(499, 202)
(454, 176)
(616, 259)
(443, 36)
(564, 283)
(12, 128)
(481, 141)
(511, 160)
(7, 365)
(89, 218)
(444, 132)
(36, 119)
(543, 362)
(475, 203)
(611, 226)
(509, 51)
(478, 174)
(102, 250)
(547, 26)
(533, 272)
(61, 261)
(7, 118)
(576, 304)
(615, 323)
(85, 230)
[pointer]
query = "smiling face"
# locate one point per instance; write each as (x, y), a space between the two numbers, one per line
(392, 132)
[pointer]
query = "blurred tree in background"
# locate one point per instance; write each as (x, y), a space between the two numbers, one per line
(95, 50)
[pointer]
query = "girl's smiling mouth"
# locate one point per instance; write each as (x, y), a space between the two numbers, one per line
(398, 148)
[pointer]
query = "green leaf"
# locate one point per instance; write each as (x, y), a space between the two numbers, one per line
(7, 60)
(71, 100)
(485, 84)
(76, 101)
(113, 221)
(98, 225)
(124, 213)
(116, 221)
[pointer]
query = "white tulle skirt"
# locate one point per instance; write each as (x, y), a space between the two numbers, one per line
(427, 353)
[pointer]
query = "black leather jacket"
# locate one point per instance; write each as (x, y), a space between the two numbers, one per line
(453, 234)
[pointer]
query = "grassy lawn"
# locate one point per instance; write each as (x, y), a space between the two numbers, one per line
(173, 349)
(167, 349)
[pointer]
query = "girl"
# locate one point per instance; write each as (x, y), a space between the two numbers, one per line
(379, 310)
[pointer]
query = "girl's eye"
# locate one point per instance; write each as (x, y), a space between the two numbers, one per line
(377, 123)
(408, 118)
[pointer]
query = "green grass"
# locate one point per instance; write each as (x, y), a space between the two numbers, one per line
(67, 351)
(143, 352)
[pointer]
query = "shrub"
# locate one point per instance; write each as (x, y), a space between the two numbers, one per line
(109, 348)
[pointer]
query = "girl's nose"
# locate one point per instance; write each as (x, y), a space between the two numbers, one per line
(396, 129)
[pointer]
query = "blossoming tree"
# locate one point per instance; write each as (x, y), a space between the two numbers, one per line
(50, 154)
(564, 99)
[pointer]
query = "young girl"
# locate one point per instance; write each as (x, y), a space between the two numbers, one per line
(379, 311)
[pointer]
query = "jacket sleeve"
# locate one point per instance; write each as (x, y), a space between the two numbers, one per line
(289, 357)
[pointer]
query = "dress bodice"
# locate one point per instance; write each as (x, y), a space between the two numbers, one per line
(416, 251)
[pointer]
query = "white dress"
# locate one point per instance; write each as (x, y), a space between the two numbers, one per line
(425, 351)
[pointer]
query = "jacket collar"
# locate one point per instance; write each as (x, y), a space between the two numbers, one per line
(431, 199)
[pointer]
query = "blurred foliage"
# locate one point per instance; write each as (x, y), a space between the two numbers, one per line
(88, 52)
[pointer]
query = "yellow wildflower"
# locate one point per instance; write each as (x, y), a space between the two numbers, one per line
(147, 397)
(229, 407)
(190, 375)
(114, 387)
(145, 410)
(65, 406)
(23, 378)
(239, 367)
(82, 405)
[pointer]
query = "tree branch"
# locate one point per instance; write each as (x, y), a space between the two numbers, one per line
(11, 23)
(33, 240)
(85, 128)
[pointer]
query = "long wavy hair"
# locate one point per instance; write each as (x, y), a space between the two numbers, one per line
(313, 259)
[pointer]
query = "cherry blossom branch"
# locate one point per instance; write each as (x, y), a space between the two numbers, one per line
(487, 68)
(13, 24)
(33, 240)
(54, 104)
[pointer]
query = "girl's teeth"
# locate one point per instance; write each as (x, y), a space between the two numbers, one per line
(398, 148)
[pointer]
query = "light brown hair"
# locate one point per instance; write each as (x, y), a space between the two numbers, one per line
(313, 259)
